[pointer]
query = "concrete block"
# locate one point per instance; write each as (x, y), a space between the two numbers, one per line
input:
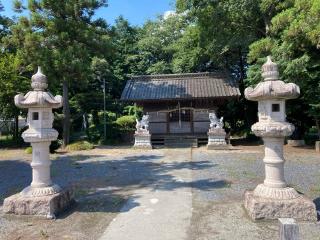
(288, 229)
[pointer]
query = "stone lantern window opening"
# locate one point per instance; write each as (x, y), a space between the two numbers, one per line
(275, 107)
(35, 116)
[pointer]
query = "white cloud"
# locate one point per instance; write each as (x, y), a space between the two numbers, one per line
(168, 14)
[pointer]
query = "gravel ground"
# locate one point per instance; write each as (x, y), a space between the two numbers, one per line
(218, 211)
(104, 178)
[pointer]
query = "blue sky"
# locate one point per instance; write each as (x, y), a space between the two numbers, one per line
(136, 11)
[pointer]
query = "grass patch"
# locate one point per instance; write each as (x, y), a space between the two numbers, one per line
(80, 146)
(28, 150)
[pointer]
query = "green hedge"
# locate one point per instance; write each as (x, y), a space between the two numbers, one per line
(79, 146)
(126, 123)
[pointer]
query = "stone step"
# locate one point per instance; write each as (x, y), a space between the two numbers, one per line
(181, 142)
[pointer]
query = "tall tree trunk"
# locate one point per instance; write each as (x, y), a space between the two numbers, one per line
(16, 127)
(66, 114)
(242, 71)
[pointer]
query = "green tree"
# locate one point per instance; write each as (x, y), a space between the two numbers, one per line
(226, 29)
(294, 42)
(156, 45)
(62, 36)
(11, 83)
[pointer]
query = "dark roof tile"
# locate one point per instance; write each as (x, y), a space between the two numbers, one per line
(179, 86)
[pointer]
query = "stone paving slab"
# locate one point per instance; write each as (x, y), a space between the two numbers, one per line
(159, 215)
(159, 211)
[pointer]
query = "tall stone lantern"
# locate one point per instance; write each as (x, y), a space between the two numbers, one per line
(42, 197)
(273, 198)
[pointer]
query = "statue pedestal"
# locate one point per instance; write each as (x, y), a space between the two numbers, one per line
(217, 139)
(300, 208)
(44, 206)
(142, 140)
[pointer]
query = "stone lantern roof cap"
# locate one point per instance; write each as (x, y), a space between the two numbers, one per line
(272, 87)
(38, 98)
(39, 81)
(270, 70)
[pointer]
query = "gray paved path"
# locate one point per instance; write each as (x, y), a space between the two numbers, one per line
(158, 211)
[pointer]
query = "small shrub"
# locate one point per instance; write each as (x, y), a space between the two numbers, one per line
(126, 123)
(79, 146)
(55, 145)
(28, 150)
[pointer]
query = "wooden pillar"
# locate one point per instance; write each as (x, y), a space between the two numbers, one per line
(191, 121)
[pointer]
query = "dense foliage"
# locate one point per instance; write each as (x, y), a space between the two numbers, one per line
(80, 53)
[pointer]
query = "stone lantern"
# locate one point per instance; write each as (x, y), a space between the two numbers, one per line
(42, 197)
(274, 199)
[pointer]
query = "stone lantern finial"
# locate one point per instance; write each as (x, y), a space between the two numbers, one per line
(39, 81)
(270, 70)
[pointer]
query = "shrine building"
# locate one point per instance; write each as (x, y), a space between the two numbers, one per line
(179, 104)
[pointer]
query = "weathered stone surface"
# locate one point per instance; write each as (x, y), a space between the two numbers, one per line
(318, 146)
(216, 139)
(142, 141)
(218, 147)
(45, 206)
(281, 193)
(289, 229)
(263, 208)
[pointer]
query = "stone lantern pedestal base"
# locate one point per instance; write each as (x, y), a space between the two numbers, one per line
(142, 141)
(300, 208)
(217, 139)
(44, 206)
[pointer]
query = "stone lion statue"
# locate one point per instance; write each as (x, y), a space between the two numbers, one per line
(215, 122)
(143, 125)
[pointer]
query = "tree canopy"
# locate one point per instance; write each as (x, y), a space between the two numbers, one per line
(79, 52)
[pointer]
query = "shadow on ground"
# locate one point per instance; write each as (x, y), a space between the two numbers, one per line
(102, 184)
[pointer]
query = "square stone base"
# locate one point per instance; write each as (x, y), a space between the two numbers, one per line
(300, 208)
(46, 206)
(142, 141)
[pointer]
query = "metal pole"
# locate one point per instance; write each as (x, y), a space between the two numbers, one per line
(104, 109)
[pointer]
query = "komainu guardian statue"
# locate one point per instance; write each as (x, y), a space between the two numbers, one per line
(142, 135)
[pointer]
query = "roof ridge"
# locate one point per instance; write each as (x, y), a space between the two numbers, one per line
(175, 75)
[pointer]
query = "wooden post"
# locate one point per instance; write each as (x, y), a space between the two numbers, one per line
(289, 229)
(179, 114)
(168, 122)
(191, 121)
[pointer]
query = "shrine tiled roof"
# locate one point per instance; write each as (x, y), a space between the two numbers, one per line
(180, 87)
